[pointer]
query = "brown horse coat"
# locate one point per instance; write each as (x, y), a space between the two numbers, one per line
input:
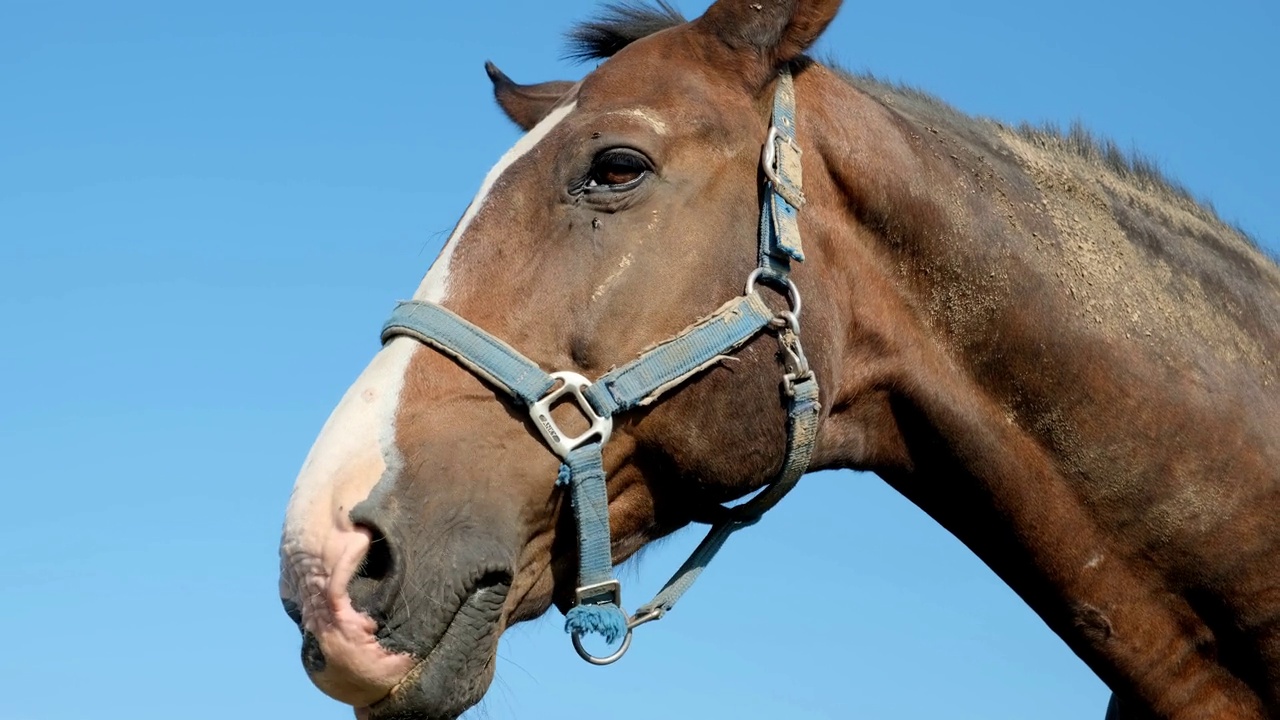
(1048, 348)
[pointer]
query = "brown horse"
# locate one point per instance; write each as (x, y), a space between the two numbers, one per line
(1048, 348)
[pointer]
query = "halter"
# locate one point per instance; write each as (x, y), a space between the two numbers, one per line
(598, 598)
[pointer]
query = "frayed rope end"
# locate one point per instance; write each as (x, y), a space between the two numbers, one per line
(607, 621)
(564, 477)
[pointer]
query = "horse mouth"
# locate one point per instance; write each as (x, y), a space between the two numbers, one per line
(456, 671)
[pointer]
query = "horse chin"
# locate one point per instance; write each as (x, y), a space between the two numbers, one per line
(455, 673)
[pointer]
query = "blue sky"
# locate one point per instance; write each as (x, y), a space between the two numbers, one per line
(207, 210)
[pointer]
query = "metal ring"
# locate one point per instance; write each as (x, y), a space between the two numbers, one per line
(632, 623)
(793, 293)
(608, 659)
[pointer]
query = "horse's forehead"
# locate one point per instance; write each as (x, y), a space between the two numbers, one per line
(653, 117)
(687, 116)
(658, 76)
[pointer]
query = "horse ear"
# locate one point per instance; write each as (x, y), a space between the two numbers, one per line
(526, 105)
(774, 31)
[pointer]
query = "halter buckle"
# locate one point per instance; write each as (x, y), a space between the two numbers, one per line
(769, 156)
(601, 593)
(540, 411)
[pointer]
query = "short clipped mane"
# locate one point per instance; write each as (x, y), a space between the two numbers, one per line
(627, 21)
(1133, 166)
(621, 24)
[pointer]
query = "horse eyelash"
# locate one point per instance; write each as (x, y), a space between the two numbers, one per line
(623, 156)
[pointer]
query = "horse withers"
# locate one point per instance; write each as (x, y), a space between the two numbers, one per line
(1046, 346)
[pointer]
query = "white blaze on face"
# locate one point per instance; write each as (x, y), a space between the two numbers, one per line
(321, 547)
(355, 449)
(435, 286)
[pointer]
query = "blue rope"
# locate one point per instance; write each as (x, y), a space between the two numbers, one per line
(606, 620)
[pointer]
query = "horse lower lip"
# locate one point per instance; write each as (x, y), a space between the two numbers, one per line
(457, 637)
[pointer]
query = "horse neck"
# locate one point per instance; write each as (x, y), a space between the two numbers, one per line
(956, 363)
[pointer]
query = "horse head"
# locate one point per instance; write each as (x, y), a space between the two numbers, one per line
(426, 518)
(1052, 351)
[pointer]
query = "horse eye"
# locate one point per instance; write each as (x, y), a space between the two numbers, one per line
(614, 169)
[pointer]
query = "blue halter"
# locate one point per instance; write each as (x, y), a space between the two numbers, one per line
(598, 599)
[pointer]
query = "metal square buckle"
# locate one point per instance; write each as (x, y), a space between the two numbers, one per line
(540, 411)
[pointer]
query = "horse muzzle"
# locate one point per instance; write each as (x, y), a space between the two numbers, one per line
(389, 636)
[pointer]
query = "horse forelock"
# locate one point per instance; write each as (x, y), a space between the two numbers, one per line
(621, 24)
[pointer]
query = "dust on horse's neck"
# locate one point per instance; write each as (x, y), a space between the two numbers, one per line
(1019, 365)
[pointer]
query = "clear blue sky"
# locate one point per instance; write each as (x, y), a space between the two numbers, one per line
(207, 210)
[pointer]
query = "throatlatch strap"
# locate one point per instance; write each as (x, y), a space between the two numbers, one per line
(670, 363)
(802, 432)
(477, 350)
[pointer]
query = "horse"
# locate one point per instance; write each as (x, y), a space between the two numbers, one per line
(1043, 343)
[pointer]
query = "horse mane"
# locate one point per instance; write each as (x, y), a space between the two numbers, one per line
(1077, 140)
(625, 22)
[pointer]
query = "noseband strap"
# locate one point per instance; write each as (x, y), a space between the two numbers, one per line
(666, 366)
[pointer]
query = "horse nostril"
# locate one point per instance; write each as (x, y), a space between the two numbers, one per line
(372, 588)
(377, 562)
(293, 610)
